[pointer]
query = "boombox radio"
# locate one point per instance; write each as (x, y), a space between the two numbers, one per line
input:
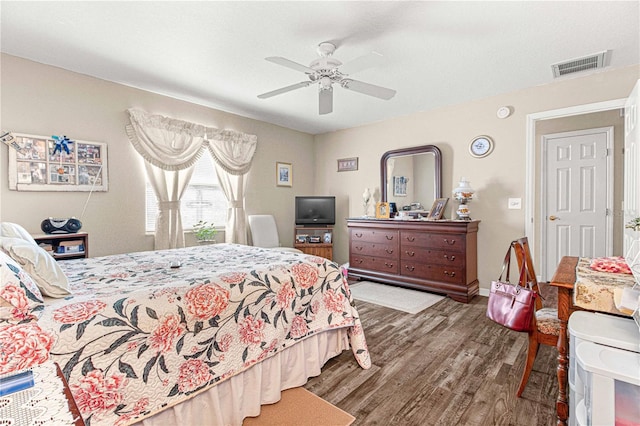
(61, 226)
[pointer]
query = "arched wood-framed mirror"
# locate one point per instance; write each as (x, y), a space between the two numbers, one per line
(411, 175)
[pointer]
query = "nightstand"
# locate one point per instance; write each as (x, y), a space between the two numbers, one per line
(65, 246)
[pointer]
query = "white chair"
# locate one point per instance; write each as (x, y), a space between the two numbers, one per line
(264, 233)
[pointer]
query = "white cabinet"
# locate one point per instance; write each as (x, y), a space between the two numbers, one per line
(604, 374)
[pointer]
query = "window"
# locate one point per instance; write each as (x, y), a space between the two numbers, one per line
(202, 200)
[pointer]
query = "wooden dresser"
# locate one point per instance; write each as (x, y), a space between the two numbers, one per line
(438, 256)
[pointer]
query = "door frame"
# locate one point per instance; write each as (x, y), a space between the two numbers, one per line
(544, 212)
(531, 178)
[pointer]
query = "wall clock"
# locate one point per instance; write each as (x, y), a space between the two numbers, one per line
(481, 146)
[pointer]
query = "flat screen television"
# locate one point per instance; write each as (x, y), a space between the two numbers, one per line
(316, 210)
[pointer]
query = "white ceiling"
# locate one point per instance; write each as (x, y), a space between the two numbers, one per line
(436, 53)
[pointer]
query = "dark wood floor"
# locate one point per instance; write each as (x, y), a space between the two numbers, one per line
(448, 365)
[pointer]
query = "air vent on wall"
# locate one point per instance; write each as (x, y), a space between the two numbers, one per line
(597, 60)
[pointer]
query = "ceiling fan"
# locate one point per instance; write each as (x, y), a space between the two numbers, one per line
(324, 71)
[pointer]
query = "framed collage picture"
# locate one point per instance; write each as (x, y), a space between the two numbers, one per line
(42, 163)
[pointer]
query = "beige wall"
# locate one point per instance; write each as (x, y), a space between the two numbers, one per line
(495, 178)
(44, 100)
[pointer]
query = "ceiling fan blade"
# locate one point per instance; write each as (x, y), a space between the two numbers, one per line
(290, 64)
(326, 101)
(285, 89)
(361, 63)
(368, 89)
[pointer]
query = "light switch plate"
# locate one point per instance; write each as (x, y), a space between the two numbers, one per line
(515, 203)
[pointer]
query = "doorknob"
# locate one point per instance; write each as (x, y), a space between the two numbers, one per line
(553, 217)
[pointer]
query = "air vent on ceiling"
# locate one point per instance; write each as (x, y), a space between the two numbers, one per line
(597, 60)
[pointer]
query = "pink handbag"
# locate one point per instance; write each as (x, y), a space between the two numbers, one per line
(510, 305)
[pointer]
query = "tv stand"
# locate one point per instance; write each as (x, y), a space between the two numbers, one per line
(315, 240)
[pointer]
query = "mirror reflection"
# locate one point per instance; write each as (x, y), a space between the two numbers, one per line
(411, 177)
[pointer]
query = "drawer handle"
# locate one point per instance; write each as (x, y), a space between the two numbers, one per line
(359, 261)
(451, 274)
(451, 258)
(410, 268)
(358, 235)
(390, 251)
(389, 237)
(450, 242)
(388, 265)
(410, 253)
(411, 238)
(360, 248)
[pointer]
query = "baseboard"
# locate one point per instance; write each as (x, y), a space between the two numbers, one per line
(484, 292)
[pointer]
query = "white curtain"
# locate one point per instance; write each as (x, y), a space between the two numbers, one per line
(169, 186)
(170, 148)
(233, 153)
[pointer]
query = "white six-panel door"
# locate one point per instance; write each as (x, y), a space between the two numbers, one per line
(577, 194)
(632, 173)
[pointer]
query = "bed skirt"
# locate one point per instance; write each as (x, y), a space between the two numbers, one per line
(241, 396)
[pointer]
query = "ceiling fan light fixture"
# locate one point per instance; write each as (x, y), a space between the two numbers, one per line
(325, 83)
(325, 71)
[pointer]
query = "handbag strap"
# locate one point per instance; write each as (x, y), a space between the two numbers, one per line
(523, 280)
(506, 265)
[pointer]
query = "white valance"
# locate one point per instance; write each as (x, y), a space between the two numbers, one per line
(172, 144)
(165, 142)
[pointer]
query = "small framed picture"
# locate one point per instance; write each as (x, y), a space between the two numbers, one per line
(382, 210)
(437, 210)
(326, 238)
(284, 174)
(348, 164)
(301, 238)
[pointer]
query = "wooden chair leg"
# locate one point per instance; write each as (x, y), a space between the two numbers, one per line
(531, 356)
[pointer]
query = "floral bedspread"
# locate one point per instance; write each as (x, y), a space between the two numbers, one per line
(138, 336)
(596, 282)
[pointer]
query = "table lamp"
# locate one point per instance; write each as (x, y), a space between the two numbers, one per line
(463, 194)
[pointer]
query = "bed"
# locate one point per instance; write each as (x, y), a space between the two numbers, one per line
(226, 331)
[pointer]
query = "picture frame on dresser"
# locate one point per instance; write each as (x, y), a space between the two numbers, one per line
(437, 210)
(382, 210)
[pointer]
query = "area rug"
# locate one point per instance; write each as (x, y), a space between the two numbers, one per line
(299, 407)
(401, 299)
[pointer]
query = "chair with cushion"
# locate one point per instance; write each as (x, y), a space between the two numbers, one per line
(545, 324)
(264, 233)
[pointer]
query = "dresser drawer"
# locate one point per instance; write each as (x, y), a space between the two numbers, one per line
(379, 264)
(448, 242)
(374, 249)
(388, 236)
(432, 272)
(452, 259)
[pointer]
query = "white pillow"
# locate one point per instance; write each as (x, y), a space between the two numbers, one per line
(13, 230)
(39, 264)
